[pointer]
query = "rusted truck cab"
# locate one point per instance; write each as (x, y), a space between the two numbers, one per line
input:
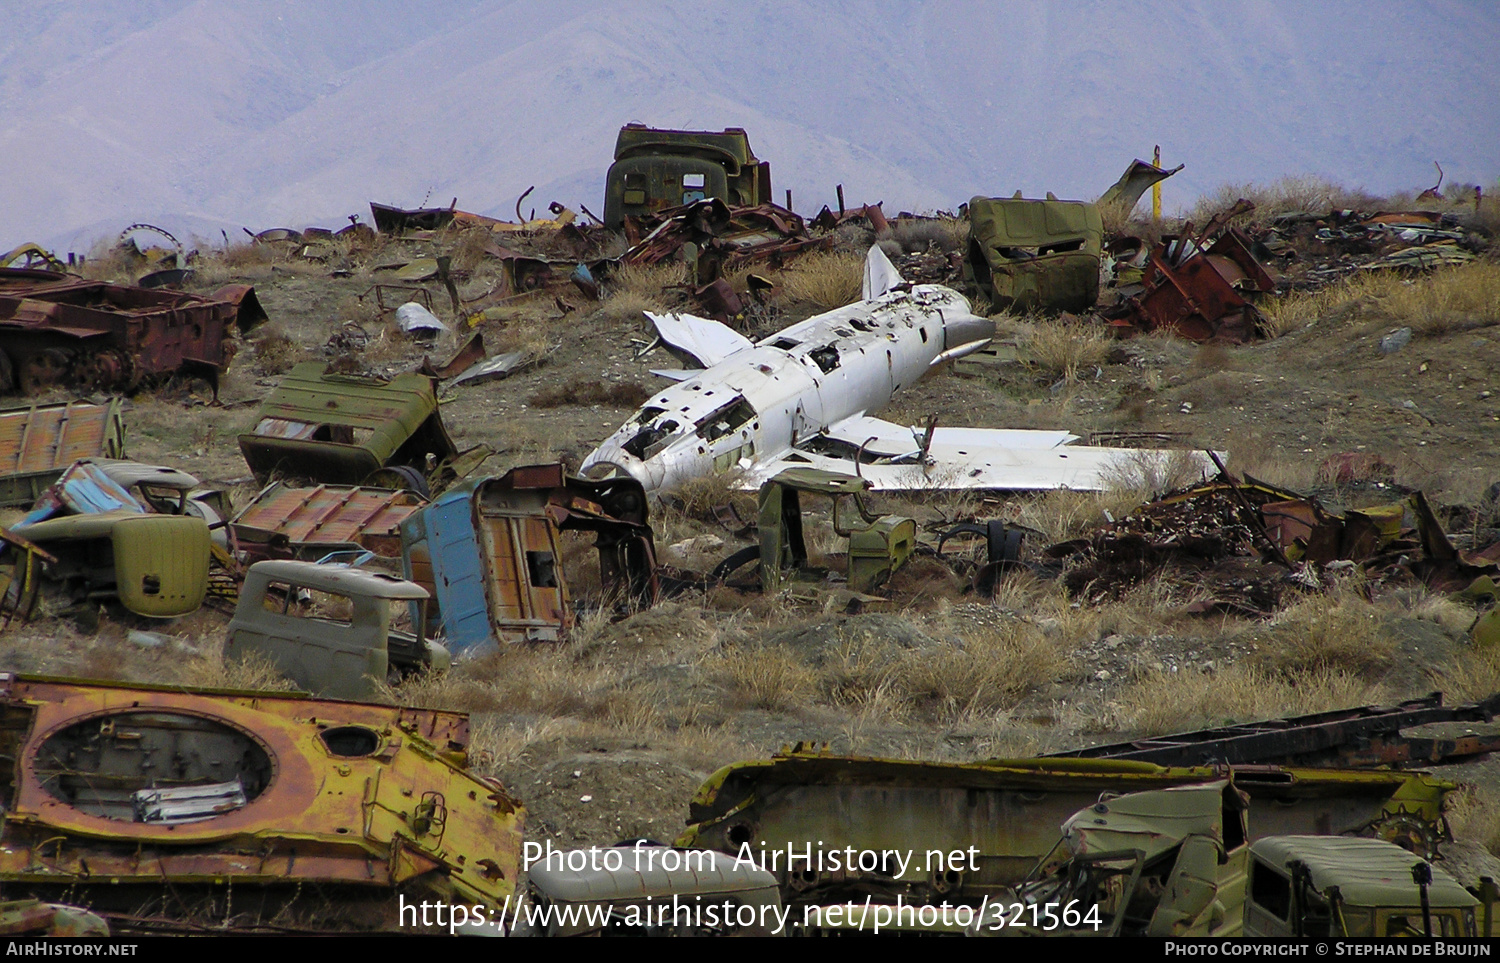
(342, 429)
(656, 169)
(330, 627)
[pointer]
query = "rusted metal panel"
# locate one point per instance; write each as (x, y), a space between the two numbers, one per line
(1199, 294)
(283, 520)
(342, 798)
(60, 329)
(339, 429)
(1366, 736)
(492, 552)
(723, 238)
(38, 443)
(1007, 809)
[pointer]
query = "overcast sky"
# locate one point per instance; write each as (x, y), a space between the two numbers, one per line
(210, 115)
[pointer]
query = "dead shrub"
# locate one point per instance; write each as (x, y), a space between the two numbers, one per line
(1058, 349)
(826, 279)
(1163, 702)
(767, 678)
(614, 395)
(1323, 635)
(275, 352)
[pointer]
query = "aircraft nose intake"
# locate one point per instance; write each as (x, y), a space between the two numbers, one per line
(966, 329)
(600, 470)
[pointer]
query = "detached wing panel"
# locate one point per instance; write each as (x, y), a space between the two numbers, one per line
(983, 459)
(698, 340)
(892, 440)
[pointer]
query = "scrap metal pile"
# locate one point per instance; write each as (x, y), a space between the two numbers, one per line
(1248, 542)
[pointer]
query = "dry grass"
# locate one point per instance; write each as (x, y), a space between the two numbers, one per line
(916, 236)
(645, 280)
(1061, 515)
(254, 671)
(770, 678)
(1253, 453)
(1475, 675)
(1058, 350)
(539, 681)
(982, 671)
(636, 288)
(826, 280)
(976, 671)
(697, 497)
(1307, 192)
(1473, 814)
(1163, 702)
(1147, 475)
(1451, 299)
(1337, 633)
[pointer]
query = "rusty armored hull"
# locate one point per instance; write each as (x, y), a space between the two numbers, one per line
(156, 801)
(59, 329)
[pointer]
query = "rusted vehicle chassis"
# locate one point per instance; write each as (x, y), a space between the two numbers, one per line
(58, 329)
(156, 803)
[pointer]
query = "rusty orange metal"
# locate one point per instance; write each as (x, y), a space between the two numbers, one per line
(39, 442)
(341, 797)
(56, 328)
(284, 521)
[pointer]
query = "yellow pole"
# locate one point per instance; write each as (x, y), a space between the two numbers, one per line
(1156, 188)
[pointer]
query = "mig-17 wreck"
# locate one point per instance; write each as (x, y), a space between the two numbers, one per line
(801, 397)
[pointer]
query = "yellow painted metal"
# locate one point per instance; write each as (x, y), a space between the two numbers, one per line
(408, 809)
(1156, 188)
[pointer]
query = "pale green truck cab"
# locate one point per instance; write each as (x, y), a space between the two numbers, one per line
(1309, 886)
(330, 627)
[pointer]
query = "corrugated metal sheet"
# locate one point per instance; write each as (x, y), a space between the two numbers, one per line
(39, 442)
(327, 515)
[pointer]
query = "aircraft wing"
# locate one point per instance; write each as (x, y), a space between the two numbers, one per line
(983, 459)
(701, 340)
(888, 440)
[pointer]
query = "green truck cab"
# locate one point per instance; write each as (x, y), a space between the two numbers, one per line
(1308, 886)
(342, 429)
(1034, 255)
(656, 169)
(329, 627)
(878, 544)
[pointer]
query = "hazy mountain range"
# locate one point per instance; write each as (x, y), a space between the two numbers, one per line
(209, 114)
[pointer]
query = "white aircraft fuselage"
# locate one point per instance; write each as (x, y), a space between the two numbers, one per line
(760, 401)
